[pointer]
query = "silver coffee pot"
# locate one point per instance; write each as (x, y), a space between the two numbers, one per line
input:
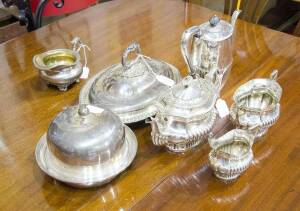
(210, 47)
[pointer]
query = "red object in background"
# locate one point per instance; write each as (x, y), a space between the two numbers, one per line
(69, 6)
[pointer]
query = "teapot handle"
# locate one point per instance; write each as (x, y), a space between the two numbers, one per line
(131, 48)
(185, 40)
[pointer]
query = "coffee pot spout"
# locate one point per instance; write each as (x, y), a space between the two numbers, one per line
(234, 17)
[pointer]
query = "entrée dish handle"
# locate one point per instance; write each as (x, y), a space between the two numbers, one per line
(131, 48)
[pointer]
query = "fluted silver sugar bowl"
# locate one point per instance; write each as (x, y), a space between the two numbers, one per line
(186, 114)
(86, 146)
(131, 87)
(210, 47)
(231, 154)
(60, 67)
(256, 104)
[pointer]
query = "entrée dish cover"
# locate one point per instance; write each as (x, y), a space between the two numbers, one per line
(86, 146)
(130, 88)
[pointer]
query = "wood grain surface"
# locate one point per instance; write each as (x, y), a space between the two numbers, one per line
(157, 179)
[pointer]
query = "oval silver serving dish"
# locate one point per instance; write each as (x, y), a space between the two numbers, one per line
(86, 146)
(60, 67)
(130, 88)
(231, 154)
(256, 105)
(186, 114)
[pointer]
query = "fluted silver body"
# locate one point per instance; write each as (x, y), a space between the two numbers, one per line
(256, 105)
(231, 154)
(185, 116)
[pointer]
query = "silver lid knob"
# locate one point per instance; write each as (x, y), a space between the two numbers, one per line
(214, 20)
(83, 110)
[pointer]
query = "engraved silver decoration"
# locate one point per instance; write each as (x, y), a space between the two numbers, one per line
(256, 103)
(211, 48)
(186, 114)
(231, 154)
(86, 146)
(131, 87)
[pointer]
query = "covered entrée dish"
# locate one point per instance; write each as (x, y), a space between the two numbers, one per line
(86, 146)
(130, 88)
(256, 104)
(186, 114)
(60, 67)
(231, 154)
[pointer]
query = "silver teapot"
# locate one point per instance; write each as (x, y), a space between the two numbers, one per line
(211, 47)
(186, 114)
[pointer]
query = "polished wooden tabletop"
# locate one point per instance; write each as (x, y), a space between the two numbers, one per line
(157, 179)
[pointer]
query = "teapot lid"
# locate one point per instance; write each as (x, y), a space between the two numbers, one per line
(215, 29)
(190, 97)
(132, 84)
(85, 135)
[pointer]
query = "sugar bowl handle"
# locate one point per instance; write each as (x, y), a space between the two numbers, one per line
(131, 48)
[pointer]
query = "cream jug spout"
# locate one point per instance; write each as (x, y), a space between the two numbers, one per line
(234, 17)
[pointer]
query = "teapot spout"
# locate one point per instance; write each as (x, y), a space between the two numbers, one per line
(234, 17)
(153, 124)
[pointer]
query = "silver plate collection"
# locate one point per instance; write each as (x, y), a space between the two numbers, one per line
(88, 144)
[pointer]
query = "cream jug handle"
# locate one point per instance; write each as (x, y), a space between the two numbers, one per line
(185, 41)
(216, 142)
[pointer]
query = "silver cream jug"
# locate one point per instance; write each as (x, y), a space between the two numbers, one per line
(207, 48)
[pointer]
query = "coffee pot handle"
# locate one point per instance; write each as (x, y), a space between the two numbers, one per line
(185, 43)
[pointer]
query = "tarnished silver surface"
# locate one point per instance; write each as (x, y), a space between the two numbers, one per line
(186, 114)
(256, 105)
(231, 154)
(211, 48)
(86, 146)
(130, 88)
(59, 67)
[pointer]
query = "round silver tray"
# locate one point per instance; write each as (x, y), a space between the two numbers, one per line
(86, 176)
(128, 117)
